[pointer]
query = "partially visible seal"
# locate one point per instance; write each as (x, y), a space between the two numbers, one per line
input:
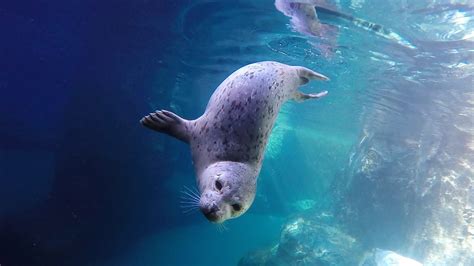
(304, 18)
(228, 140)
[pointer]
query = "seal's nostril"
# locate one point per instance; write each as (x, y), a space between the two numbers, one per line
(211, 212)
(209, 209)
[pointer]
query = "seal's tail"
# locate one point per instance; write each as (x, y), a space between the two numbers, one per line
(306, 75)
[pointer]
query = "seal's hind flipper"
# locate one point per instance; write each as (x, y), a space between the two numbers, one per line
(299, 96)
(169, 123)
(306, 75)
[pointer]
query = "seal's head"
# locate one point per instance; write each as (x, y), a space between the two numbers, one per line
(227, 190)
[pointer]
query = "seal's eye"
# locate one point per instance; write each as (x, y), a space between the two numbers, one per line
(218, 185)
(237, 207)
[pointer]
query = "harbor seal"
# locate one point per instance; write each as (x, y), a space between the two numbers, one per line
(228, 141)
(305, 20)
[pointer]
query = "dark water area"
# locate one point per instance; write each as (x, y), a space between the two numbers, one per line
(71, 143)
(384, 161)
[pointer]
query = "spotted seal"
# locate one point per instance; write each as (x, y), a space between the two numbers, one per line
(228, 140)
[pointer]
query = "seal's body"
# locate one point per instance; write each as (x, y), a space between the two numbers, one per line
(304, 18)
(228, 140)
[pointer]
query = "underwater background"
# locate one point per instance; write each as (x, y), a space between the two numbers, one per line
(384, 162)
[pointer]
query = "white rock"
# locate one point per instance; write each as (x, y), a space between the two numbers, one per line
(390, 258)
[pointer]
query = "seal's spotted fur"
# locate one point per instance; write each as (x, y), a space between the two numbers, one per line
(228, 140)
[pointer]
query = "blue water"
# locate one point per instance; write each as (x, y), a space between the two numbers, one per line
(385, 161)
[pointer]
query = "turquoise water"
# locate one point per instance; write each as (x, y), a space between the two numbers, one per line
(390, 99)
(384, 161)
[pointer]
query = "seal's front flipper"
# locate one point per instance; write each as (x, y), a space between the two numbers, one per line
(169, 123)
(299, 97)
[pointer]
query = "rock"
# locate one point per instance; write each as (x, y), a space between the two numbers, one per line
(381, 257)
(308, 242)
(303, 205)
(262, 257)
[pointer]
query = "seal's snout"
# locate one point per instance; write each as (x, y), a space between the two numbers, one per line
(211, 212)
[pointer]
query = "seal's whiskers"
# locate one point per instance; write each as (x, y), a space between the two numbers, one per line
(225, 227)
(189, 200)
(189, 210)
(221, 227)
(188, 207)
(190, 196)
(196, 192)
(193, 192)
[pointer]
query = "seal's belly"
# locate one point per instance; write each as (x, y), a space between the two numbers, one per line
(241, 114)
